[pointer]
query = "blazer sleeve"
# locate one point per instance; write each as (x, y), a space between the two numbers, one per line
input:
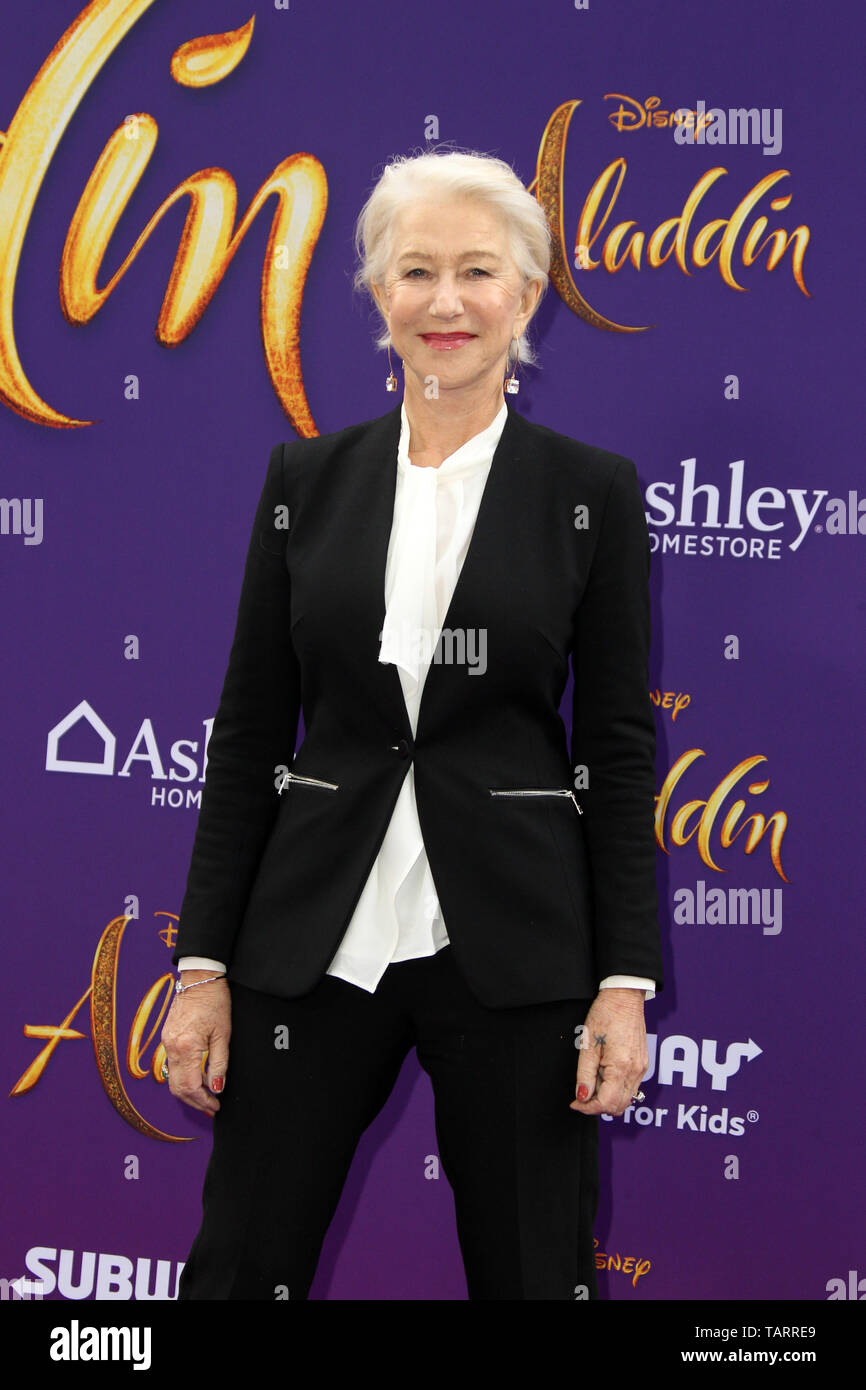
(254, 730)
(613, 736)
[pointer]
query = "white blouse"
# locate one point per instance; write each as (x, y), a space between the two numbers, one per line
(398, 916)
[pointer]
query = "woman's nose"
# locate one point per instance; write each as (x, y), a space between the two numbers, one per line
(446, 298)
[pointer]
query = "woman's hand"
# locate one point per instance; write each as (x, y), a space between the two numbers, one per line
(613, 1053)
(198, 1021)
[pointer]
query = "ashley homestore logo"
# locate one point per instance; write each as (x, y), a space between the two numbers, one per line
(186, 762)
(692, 516)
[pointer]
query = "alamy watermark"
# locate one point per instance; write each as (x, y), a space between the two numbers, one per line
(459, 646)
(736, 126)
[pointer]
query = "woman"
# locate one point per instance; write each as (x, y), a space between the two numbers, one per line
(422, 873)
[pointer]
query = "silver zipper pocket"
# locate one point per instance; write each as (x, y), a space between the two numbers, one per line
(536, 791)
(308, 781)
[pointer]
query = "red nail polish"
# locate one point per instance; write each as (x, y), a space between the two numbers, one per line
(217, 1083)
(583, 1092)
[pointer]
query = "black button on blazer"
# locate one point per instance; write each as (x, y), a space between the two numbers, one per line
(540, 899)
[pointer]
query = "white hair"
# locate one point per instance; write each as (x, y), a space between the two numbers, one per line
(452, 174)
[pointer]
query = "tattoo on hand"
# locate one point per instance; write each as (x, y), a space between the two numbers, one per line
(600, 1039)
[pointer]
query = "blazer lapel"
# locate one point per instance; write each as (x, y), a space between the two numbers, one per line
(369, 483)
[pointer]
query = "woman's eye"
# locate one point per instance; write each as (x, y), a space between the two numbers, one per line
(415, 271)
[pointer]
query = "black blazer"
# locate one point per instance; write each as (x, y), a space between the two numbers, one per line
(540, 899)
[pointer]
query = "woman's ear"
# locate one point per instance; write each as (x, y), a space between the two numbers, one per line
(529, 302)
(379, 297)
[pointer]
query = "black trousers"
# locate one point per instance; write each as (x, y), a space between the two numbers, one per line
(523, 1166)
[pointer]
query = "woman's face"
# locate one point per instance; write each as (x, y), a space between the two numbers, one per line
(452, 297)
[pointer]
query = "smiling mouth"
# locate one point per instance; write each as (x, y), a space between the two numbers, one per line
(447, 340)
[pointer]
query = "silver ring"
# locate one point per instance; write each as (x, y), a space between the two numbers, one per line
(640, 1096)
(164, 1071)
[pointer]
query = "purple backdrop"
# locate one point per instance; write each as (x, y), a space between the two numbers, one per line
(742, 1177)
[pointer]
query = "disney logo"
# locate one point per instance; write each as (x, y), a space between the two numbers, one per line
(649, 115)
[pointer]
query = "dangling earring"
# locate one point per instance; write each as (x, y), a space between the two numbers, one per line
(390, 379)
(512, 385)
